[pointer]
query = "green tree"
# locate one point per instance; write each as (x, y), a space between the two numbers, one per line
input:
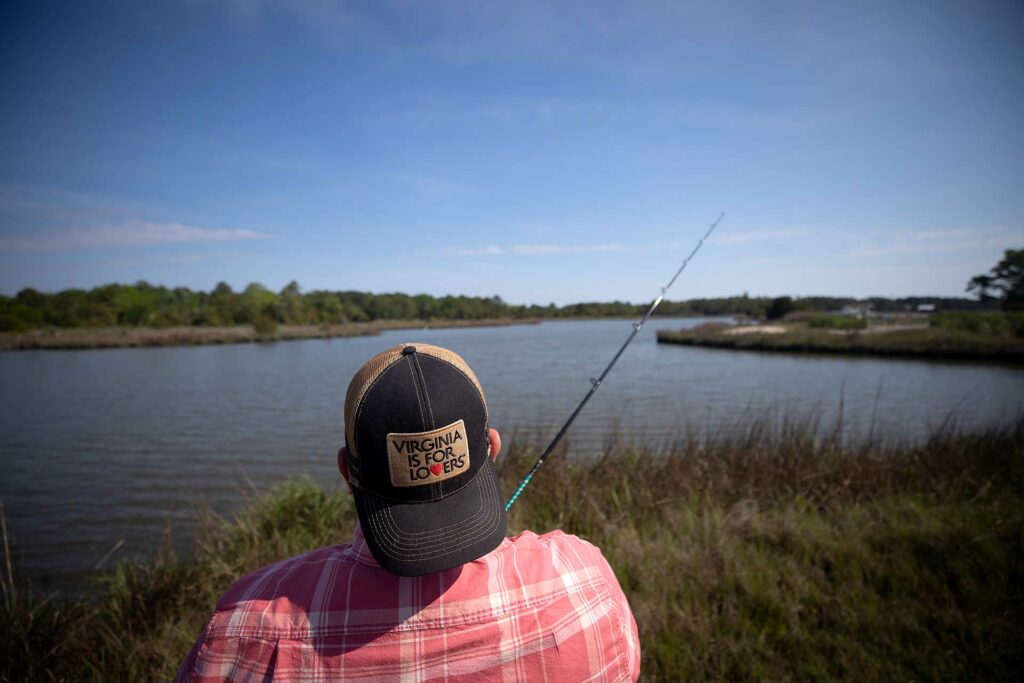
(292, 308)
(1005, 281)
(779, 307)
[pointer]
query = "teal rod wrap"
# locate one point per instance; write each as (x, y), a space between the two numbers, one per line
(522, 486)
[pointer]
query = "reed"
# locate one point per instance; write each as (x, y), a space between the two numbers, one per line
(761, 550)
(927, 343)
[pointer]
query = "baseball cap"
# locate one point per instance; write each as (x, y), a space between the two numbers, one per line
(425, 486)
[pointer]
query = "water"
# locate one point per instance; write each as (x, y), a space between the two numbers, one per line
(98, 446)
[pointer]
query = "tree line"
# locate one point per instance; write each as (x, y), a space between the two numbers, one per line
(146, 305)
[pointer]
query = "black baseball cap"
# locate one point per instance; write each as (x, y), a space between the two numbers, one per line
(419, 462)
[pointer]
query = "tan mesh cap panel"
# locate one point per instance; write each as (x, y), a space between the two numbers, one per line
(372, 369)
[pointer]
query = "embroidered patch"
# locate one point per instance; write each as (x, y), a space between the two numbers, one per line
(422, 458)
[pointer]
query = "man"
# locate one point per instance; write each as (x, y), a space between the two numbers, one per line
(429, 588)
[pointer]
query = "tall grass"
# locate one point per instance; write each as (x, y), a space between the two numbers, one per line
(759, 551)
(934, 342)
(994, 323)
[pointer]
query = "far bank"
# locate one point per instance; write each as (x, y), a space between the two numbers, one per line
(939, 342)
(119, 337)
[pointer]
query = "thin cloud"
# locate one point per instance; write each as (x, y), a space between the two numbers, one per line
(736, 238)
(129, 234)
(535, 249)
(942, 240)
(427, 186)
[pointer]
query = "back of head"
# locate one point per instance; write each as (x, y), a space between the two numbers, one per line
(425, 487)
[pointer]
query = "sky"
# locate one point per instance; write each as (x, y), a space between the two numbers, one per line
(539, 151)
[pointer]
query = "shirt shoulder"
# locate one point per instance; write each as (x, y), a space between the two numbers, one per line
(588, 615)
(562, 552)
(586, 550)
(556, 564)
(275, 600)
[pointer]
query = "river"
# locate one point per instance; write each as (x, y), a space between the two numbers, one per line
(100, 446)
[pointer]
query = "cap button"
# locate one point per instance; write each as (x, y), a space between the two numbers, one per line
(408, 349)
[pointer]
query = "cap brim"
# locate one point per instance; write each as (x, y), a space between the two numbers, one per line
(414, 539)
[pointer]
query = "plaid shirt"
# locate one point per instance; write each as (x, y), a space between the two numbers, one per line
(536, 608)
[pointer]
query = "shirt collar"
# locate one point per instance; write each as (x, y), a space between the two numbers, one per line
(359, 550)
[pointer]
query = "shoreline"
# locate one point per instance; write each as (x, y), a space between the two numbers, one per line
(915, 343)
(81, 339)
(77, 339)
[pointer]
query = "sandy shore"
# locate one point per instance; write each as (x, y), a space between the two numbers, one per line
(755, 329)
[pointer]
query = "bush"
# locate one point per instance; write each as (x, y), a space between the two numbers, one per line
(8, 323)
(779, 307)
(264, 325)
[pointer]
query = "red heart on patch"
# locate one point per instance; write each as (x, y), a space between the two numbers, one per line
(436, 469)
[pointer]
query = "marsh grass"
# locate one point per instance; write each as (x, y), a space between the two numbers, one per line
(758, 551)
(933, 342)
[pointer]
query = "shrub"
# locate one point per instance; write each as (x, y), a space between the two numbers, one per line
(779, 307)
(264, 325)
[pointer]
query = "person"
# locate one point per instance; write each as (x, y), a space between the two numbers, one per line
(430, 588)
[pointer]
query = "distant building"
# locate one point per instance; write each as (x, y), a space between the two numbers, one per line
(926, 308)
(856, 310)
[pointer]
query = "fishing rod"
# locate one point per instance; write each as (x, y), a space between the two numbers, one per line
(596, 383)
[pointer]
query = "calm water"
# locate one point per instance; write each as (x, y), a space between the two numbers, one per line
(98, 446)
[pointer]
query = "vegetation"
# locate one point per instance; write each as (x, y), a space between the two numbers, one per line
(837, 322)
(1009, 324)
(143, 305)
(266, 331)
(936, 342)
(1004, 282)
(780, 307)
(759, 551)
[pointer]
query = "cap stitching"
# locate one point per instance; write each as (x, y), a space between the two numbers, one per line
(409, 550)
(427, 535)
(416, 390)
(426, 393)
(447, 550)
(370, 502)
(385, 545)
(487, 417)
(372, 497)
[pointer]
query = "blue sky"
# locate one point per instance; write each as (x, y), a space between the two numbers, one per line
(538, 151)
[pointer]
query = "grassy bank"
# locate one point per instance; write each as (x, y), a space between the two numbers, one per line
(113, 337)
(758, 552)
(933, 342)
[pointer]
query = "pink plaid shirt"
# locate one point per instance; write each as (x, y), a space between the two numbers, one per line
(536, 608)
